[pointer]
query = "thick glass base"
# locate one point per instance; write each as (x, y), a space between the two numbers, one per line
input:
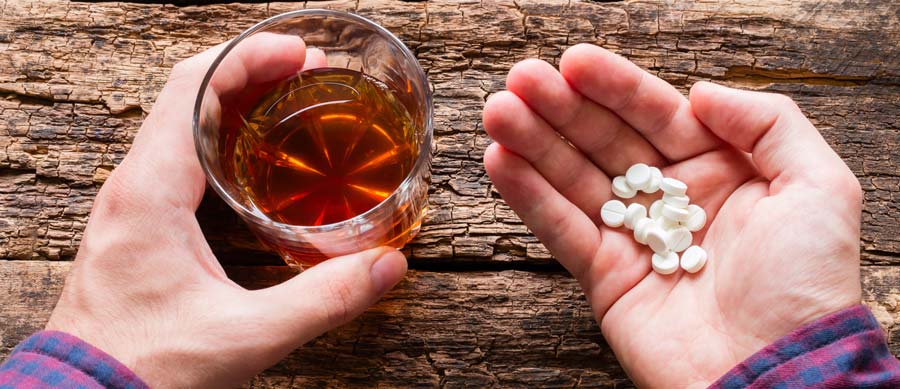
(307, 256)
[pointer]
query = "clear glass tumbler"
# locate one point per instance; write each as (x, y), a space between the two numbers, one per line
(348, 42)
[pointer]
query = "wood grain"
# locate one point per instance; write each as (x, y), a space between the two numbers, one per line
(487, 305)
(509, 328)
(77, 78)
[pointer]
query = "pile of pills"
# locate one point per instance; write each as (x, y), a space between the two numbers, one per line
(668, 226)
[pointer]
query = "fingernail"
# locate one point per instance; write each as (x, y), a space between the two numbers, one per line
(388, 270)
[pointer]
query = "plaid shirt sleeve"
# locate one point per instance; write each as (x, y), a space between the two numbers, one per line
(53, 359)
(842, 350)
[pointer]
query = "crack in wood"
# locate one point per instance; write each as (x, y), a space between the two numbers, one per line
(760, 77)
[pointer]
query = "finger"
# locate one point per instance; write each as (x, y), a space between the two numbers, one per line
(511, 123)
(566, 231)
(600, 134)
(162, 168)
(329, 294)
(261, 58)
(646, 102)
(315, 58)
(593, 257)
(785, 146)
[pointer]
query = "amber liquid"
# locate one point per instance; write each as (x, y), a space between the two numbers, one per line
(321, 147)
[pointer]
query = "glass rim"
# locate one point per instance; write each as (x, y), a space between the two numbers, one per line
(257, 216)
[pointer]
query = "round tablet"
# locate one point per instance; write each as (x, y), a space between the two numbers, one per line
(655, 178)
(640, 229)
(613, 213)
(665, 223)
(673, 186)
(696, 217)
(664, 263)
(656, 209)
(656, 239)
(634, 212)
(693, 259)
(638, 176)
(674, 213)
(679, 239)
(681, 201)
(621, 188)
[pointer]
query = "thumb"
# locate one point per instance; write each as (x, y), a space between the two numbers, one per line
(331, 293)
(782, 141)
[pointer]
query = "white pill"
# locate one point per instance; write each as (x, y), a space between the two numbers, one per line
(655, 178)
(673, 186)
(666, 224)
(638, 176)
(613, 213)
(676, 200)
(696, 217)
(621, 188)
(656, 209)
(693, 259)
(634, 213)
(657, 239)
(679, 239)
(640, 229)
(664, 263)
(674, 213)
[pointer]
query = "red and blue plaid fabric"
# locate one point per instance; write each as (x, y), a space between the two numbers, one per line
(53, 359)
(846, 349)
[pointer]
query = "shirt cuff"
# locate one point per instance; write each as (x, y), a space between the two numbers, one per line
(844, 349)
(58, 360)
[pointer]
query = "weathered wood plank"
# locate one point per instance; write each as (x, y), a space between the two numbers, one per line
(76, 79)
(478, 328)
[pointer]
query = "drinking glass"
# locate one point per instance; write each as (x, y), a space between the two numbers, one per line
(350, 42)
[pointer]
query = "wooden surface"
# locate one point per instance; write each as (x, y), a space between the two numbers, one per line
(486, 303)
(506, 328)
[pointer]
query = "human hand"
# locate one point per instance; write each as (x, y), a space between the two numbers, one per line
(145, 286)
(783, 209)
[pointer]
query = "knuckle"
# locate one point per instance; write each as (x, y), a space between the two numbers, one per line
(784, 102)
(851, 188)
(119, 199)
(112, 200)
(844, 185)
(113, 213)
(855, 186)
(181, 70)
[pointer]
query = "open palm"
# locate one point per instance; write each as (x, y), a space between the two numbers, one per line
(783, 229)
